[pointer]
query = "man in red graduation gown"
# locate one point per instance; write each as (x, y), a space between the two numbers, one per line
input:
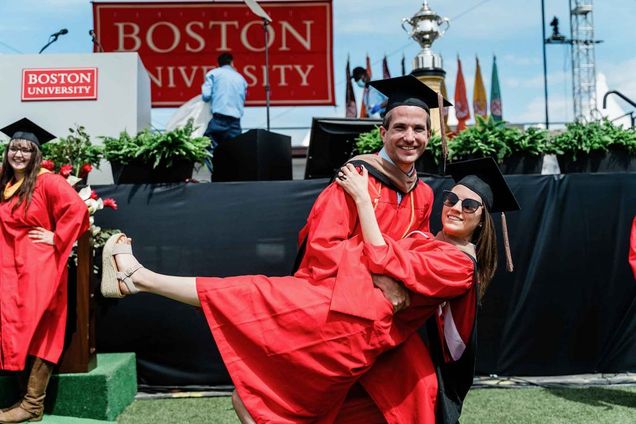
(272, 323)
(402, 204)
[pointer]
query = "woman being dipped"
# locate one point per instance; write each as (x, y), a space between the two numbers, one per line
(467, 224)
(41, 217)
(291, 354)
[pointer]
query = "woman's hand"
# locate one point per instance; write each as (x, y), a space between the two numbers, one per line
(355, 183)
(41, 235)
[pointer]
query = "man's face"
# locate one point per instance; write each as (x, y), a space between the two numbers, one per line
(407, 136)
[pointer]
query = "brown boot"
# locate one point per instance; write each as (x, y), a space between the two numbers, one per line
(21, 378)
(32, 406)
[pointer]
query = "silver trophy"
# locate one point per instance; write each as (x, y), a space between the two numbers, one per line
(426, 27)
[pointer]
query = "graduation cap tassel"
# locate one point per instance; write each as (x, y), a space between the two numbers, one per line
(442, 128)
(504, 227)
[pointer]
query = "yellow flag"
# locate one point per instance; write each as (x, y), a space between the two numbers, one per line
(480, 103)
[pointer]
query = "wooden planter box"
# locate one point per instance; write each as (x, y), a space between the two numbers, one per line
(616, 159)
(142, 173)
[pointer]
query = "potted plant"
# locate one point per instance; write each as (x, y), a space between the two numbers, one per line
(428, 163)
(152, 157)
(486, 138)
(515, 150)
(73, 156)
(527, 150)
(595, 147)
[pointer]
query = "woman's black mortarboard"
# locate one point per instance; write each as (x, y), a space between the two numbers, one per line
(484, 178)
(25, 129)
(409, 91)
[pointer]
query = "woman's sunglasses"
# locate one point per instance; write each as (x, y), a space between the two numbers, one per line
(450, 199)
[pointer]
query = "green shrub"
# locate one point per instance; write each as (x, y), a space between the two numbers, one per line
(158, 148)
(76, 150)
(368, 142)
(590, 137)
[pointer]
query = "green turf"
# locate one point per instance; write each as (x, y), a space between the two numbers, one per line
(217, 410)
(594, 405)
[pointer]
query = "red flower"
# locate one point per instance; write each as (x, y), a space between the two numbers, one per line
(110, 203)
(94, 195)
(85, 169)
(48, 164)
(65, 170)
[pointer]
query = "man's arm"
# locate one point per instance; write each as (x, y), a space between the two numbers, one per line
(206, 88)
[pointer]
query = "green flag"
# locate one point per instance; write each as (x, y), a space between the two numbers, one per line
(496, 110)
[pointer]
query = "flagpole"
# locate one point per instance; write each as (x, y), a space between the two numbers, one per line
(545, 67)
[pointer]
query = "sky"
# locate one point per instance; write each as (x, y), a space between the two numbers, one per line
(509, 29)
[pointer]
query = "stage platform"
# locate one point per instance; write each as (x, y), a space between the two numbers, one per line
(97, 396)
(568, 308)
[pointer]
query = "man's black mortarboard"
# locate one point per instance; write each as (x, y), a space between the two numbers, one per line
(25, 129)
(484, 178)
(407, 91)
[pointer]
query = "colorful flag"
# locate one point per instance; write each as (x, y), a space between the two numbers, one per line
(496, 110)
(365, 93)
(403, 65)
(386, 74)
(462, 111)
(480, 103)
(350, 99)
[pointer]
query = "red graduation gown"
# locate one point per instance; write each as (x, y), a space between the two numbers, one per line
(33, 275)
(632, 247)
(295, 345)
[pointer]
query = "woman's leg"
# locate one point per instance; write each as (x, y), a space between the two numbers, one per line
(241, 410)
(181, 289)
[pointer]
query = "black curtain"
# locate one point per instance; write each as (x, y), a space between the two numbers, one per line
(568, 308)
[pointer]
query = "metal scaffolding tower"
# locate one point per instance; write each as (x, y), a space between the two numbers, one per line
(583, 60)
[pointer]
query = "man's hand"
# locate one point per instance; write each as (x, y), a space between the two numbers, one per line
(394, 291)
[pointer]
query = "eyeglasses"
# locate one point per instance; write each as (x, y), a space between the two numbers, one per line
(450, 199)
(25, 151)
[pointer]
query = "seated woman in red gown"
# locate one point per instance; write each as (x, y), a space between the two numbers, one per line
(290, 344)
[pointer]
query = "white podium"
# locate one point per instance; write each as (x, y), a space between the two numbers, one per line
(105, 92)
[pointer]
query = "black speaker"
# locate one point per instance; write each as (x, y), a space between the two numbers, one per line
(332, 142)
(255, 155)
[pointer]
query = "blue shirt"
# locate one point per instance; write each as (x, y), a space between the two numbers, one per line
(374, 101)
(226, 89)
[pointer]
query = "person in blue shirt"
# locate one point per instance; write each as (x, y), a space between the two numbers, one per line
(374, 101)
(225, 89)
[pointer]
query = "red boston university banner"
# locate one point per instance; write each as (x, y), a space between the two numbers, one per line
(179, 42)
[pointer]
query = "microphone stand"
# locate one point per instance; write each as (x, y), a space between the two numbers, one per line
(100, 49)
(267, 87)
(53, 39)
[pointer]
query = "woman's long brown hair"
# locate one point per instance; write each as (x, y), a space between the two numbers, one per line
(486, 242)
(25, 192)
